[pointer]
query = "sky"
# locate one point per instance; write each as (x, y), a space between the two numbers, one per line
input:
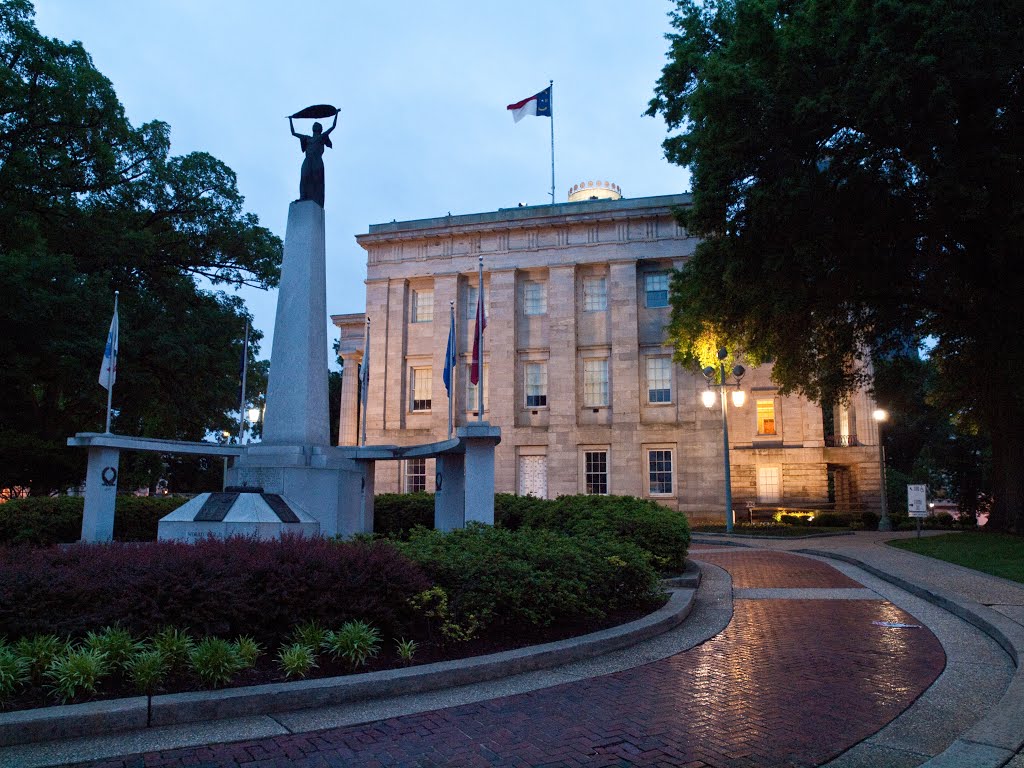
(422, 88)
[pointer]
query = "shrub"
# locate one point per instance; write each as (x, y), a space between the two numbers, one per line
(405, 650)
(46, 520)
(174, 645)
(146, 670)
(209, 587)
(500, 578)
(115, 643)
(296, 660)
(76, 671)
(356, 642)
(830, 520)
(215, 661)
(395, 514)
(794, 520)
(40, 651)
(14, 671)
(311, 634)
(870, 520)
(248, 650)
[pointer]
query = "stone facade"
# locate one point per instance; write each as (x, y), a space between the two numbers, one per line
(578, 375)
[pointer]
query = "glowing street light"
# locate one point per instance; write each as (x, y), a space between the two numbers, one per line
(738, 398)
(884, 523)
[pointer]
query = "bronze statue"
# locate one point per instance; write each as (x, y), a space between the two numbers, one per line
(311, 177)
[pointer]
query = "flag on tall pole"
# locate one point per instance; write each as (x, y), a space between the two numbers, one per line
(476, 369)
(243, 369)
(449, 363)
(364, 380)
(108, 370)
(538, 105)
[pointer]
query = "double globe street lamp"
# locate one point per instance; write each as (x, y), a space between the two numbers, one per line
(884, 523)
(738, 398)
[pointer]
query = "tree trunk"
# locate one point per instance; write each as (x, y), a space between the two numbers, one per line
(1007, 513)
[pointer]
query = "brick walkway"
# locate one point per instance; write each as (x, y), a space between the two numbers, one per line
(788, 683)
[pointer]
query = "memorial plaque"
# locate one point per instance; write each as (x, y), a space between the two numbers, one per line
(216, 508)
(280, 507)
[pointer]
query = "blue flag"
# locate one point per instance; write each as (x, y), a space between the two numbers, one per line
(450, 357)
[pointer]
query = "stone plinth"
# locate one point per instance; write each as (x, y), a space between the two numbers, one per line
(296, 411)
(236, 512)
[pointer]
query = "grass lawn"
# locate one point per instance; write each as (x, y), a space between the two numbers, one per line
(1000, 554)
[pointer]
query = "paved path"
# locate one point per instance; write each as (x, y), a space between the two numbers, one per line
(798, 676)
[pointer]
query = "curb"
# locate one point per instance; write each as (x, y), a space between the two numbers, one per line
(999, 735)
(119, 715)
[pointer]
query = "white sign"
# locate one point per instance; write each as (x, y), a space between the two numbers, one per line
(917, 497)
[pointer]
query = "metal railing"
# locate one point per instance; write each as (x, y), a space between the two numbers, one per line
(841, 441)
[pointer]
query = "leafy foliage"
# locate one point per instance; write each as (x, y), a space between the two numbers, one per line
(296, 660)
(88, 204)
(357, 642)
(406, 650)
(248, 650)
(215, 661)
(116, 644)
(40, 651)
(14, 671)
(858, 172)
(77, 672)
(146, 670)
(174, 645)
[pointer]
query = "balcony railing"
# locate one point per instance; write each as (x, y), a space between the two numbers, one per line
(841, 441)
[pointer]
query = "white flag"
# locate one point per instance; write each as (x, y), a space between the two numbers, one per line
(108, 371)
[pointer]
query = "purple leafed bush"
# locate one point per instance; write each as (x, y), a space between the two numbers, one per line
(226, 588)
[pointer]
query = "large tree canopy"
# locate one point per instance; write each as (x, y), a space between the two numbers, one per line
(858, 182)
(90, 204)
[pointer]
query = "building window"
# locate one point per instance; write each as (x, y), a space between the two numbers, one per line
(768, 486)
(595, 471)
(659, 380)
(595, 382)
(659, 472)
(471, 389)
(422, 306)
(471, 294)
(766, 417)
(415, 475)
(595, 294)
(536, 385)
(656, 288)
(535, 298)
(420, 385)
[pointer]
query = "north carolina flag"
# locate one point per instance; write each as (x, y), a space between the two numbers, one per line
(538, 105)
(108, 370)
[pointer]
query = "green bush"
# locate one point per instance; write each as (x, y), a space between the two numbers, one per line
(116, 644)
(175, 645)
(357, 642)
(215, 661)
(794, 520)
(14, 671)
(45, 520)
(40, 651)
(146, 670)
(496, 578)
(830, 520)
(248, 650)
(870, 520)
(296, 660)
(395, 514)
(77, 671)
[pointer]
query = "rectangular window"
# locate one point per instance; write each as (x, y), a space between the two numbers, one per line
(471, 389)
(659, 380)
(415, 475)
(420, 384)
(535, 298)
(536, 385)
(595, 294)
(422, 306)
(471, 294)
(766, 417)
(595, 382)
(656, 288)
(768, 490)
(659, 472)
(595, 471)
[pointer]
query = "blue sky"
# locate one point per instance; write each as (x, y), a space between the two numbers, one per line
(422, 88)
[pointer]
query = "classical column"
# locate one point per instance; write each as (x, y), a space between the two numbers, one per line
(348, 419)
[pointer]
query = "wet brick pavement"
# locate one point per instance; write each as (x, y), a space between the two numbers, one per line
(788, 683)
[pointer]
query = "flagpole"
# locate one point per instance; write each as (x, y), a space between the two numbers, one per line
(245, 370)
(480, 345)
(112, 366)
(551, 109)
(365, 378)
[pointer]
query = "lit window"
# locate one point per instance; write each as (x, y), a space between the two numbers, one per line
(471, 390)
(595, 294)
(415, 475)
(656, 288)
(422, 306)
(766, 417)
(595, 471)
(536, 385)
(471, 294)
(595, 382)
(659, 469)
(535, 298)
(768, 490)
(420, 386)
(659, 380)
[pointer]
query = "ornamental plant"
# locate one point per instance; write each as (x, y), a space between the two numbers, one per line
(76, 671)
(248, 650)
(40, 651)
(115, 643)
(175, 645)
(357, 642)
(405, 650)
(215, 661)
(310, 634)
(296, 660)
(14, 671)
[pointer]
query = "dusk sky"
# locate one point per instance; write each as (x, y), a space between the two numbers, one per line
(422, 88)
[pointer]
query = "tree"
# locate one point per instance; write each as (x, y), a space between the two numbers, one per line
(858, 182)
(90, 204)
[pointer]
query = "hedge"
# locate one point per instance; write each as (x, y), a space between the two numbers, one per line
(44, 520)
(213, 587)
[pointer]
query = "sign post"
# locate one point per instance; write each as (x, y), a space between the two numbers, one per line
(917, 503)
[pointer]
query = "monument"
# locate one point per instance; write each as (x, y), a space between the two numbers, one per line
(294, 481)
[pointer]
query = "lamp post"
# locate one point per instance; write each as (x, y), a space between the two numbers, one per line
(224, 439)
(884, 523)
(254, 417)
(738, 398)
